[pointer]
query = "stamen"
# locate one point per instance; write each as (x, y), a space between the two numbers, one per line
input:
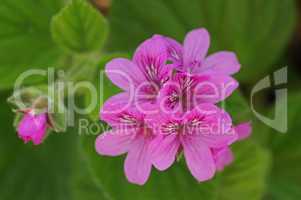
(175, 54)
(171, 128)
(128, 119)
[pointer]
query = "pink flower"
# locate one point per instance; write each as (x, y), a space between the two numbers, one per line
(129, 135)
(201, 79)
(145, 74)
(191, 57)
(196, 132)
(181, 97)
(33, 127)
(224, 156)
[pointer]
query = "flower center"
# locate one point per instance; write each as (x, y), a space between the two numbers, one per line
(193, 126)
(171, 128)
(128, 119)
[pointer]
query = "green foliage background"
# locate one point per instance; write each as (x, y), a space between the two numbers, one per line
(74, 36)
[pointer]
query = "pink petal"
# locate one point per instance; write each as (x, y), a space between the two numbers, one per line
(196, 45)
(175, 52)
(38, 138)
(114, 143)
(218, 141)
(165, 151)
(223, 157)
(124, 73)
(217, 88)
(151, 57)
(31, 123)
(214, 126)
(116, 107)
(243, 130)
(224, 63)
(199, 159)
(137, 164)
(33, 127)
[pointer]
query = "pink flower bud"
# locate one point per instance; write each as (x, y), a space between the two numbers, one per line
(33, 127)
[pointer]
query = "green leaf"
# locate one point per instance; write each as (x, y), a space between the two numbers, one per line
(237, 106)
(244, 179)
(25, 40)
(285, 177)
(79, 28)
(56, 169)
(258, 31)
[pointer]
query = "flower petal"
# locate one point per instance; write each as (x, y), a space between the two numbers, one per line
(217, 88)
(224, 63)
(223, 157)
(199, 159)
(33, 128)
(124, 73)
(196, 45)
(151, 57)
(175, 52)
(165, 151)
(243, 130)
(31, 124)
(137, 164)
(211, 125)
(117, 107)
(114, 143)
(218, 141)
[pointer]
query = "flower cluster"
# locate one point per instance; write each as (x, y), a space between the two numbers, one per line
(168, 107)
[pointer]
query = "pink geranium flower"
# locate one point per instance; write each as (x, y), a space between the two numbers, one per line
(145, 74)
(129, 135)
(181, 97)
(201, 79)
(197, 132)
(191, 57)
(33, 127)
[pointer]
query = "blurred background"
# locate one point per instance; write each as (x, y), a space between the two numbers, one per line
(37, 34)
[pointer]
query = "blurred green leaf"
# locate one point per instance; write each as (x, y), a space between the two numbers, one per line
(79, 27)
(244, 179)
(84, 67)
(285, 177)
(258, 31)
(56, 170)
(25, 40)
(238, 107)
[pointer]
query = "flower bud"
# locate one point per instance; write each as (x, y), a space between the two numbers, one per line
(33, 127)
